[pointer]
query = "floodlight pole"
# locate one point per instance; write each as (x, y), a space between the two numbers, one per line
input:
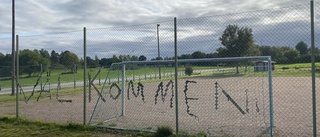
(314, 111)
(13, 48)
(158, 49)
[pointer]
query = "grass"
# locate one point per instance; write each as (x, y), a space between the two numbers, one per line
(24, 80)
(25, 127)
(297, 70)
(31, 128)
(164, 131)
(12, 127)
(64, 91)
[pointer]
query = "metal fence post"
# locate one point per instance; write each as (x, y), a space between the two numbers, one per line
(41, 70)
(17, 76)
(13, 49)
(84, 74)
(123, 90)
(74, 75)
(314, 111)
(270, 96)
(176, 74)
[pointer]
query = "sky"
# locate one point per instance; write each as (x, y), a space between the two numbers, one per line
(129, 26)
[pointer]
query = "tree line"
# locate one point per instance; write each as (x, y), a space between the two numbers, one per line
(236, 42)
(30, 61)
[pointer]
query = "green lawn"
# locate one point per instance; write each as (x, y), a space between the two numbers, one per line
(64, 91)
(70, 77)
(297, 70)
(12, 127)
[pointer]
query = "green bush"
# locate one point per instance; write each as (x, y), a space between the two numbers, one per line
(201, 134)
(188, 71)
(164, 131)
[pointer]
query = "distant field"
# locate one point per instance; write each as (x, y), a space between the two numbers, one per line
(299, 70)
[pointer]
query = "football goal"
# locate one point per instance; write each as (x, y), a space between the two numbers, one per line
(219, 96)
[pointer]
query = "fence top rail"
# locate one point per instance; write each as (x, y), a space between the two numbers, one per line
(226, 59)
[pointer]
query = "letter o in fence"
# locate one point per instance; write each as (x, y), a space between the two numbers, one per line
(119, 91)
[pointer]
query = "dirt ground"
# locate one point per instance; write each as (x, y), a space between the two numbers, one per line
(291, 100)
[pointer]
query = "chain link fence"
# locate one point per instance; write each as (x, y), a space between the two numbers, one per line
(130, 74)
(50, 76)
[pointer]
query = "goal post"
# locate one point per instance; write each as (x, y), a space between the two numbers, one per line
(123, 109)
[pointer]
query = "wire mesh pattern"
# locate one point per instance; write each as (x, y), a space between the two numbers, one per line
(216, 97)
(143, 104)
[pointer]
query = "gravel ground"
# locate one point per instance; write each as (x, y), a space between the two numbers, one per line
(291, 99)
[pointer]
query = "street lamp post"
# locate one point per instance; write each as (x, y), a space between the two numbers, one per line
(158, 49)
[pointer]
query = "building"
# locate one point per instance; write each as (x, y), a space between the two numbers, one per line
(260, 66)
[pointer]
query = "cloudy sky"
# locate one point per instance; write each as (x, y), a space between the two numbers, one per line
(129, 26)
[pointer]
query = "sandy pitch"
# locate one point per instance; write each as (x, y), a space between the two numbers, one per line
(291, 98)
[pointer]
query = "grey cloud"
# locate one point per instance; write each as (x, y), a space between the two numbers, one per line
(195, 34)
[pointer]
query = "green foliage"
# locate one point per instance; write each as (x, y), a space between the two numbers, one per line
(198, 54)
(112, 124)
(237, 42)
(31, 60)
(5, 71)
(54, 57)
(291, 55)
(5, 60)
(164, 131)
(302, 48)
(68, 59)
(92, 63)
(201, 134)
(288, 55)
(142, 58)
(185, 133)
(100, 123)
(188, 70)
(26, 127)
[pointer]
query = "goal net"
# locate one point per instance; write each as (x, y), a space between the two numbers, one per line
(218, 96)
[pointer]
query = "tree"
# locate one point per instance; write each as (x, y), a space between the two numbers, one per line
(54, 57)
(115, 59)
(96, 61)
(142, 58)
(266, 50)
(106, 62)
(188, 70)
(90, 62)
(68, 59)
(198, 54)
(275, 52)
(237, 42)
(5, 67)
(1, 58)
(6, 60)
(185, 56)
(30, 61)
(134, 58)
(44, 53)
(159, 58)
(302, 48)
(291, 55)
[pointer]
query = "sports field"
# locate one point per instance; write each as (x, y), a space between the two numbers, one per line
(291, 100)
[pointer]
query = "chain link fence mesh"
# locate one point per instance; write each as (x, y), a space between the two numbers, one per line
(50, 90)
(282, 33)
